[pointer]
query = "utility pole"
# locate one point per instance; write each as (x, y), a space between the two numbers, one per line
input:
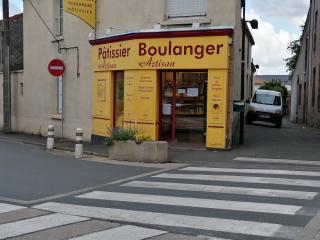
(6, 68)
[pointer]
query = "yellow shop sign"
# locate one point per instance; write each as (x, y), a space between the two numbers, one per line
(163, 53)
(84, 9)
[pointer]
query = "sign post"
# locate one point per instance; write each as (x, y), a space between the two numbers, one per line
(56, 67)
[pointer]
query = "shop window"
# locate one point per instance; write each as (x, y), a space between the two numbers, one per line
(186, 8)
(119, 99)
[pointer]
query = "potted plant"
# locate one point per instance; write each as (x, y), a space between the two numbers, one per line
(129, 145)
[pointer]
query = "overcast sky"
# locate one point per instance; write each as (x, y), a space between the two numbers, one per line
(279, 22)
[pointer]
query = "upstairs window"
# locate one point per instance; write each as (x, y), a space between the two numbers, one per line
(186, 8)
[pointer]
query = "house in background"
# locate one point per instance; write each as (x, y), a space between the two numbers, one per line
(16, 43)
(260, 80)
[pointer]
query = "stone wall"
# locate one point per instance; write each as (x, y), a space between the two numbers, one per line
(16, 43)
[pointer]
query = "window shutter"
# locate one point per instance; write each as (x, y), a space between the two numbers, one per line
(186, 8)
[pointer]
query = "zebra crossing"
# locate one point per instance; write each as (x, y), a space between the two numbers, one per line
(216, 202)
(220, 202)
(47, 225)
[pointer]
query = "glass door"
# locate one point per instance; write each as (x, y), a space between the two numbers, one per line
(184, 98)
(167, 128)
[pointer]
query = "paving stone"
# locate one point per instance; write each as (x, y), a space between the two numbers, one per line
(68, 231)
(171, 236)
(21, 215)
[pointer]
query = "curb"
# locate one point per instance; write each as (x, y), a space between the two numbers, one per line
(55, 148)
(311, 231)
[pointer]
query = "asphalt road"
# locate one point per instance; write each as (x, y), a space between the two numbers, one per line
(267, 190)
(263, 140)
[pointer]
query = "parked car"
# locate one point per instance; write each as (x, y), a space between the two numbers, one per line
(265, 106)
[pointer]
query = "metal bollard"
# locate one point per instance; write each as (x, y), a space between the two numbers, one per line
(50, 137)
(79, 143)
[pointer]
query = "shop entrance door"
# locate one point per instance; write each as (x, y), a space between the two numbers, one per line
(183, 110)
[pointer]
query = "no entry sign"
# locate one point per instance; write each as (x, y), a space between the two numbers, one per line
(56, 67)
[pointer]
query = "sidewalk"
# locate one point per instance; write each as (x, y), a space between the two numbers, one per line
(61, 144)
(261, 141)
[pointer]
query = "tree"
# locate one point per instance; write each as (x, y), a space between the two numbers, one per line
(294, 48)
(276, 85)
(291, 62)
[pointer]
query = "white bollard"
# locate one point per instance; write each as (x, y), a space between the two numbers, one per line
(78, 152)
(50, 137)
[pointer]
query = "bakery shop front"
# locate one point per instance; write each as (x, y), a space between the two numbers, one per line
(168, 85)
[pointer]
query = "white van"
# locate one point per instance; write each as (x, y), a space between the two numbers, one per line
(265, 106)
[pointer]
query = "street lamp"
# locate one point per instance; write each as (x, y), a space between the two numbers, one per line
(254, 24)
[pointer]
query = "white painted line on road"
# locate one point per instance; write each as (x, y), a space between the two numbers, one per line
(270, 160)
(259, 171)
(212, 238)
(225, 178)
(8, 207)
(224, 189)
(175, 220)
(194, 202)
(122, 233)
(31, 225)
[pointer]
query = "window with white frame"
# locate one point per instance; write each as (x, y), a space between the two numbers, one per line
(186, 8)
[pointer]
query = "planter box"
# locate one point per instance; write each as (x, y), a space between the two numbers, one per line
(148, 152)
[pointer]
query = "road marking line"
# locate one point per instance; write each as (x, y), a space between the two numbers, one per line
(194, 202)
(224, 189)
(174, 220)
(270, 160)
(259, 171)
(123, 233)
(9, 207)
(212, 238)
(31, 225)
(83, 190)
(226, 178)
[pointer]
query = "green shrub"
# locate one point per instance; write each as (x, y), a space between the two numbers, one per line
(141, 138)
(122, 134)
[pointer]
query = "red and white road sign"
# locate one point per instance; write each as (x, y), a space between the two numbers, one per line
(56, 67)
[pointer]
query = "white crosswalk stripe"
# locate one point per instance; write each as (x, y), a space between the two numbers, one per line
(195, 202)
(192, 207)
(212, 238)
(224, 189)
(259, 171)
(175, 220)
(285, 161)
(31, 225)
(245, 179)
(122, 233)
(8, 207)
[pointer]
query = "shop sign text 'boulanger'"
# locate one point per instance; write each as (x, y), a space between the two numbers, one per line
(163, 53)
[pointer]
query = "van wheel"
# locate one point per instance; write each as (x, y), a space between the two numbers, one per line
(279, 123)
